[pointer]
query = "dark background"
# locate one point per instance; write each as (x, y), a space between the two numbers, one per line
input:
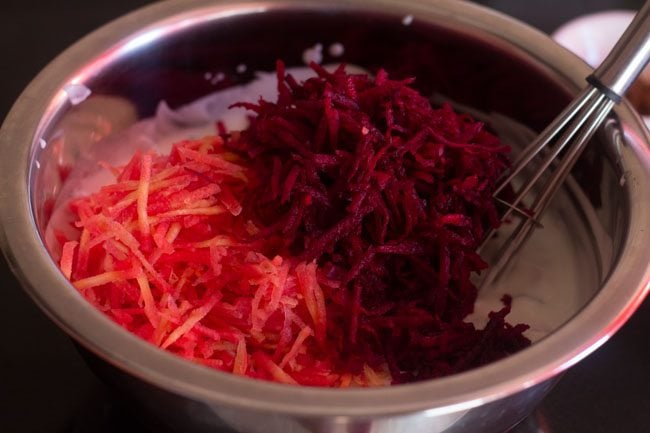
(46, 387)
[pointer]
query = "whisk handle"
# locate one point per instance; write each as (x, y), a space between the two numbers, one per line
(627, 59)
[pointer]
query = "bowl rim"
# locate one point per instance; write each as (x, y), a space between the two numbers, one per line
(27, 256)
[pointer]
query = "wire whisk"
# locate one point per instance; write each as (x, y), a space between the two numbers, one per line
(555, 151)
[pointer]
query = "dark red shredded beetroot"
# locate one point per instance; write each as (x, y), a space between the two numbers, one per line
(392, 198)
(335, 250)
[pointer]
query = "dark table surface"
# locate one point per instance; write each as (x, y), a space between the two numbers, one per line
(46, 387)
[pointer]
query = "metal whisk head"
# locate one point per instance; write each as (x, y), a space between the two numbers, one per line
(571, 131)
(543, 165)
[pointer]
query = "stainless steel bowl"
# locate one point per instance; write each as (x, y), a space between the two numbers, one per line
(471, 54)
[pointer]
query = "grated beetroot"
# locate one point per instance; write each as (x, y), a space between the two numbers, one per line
(391, 198)
(329, 244)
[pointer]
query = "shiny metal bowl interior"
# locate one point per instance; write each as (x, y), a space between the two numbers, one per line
(470, 54)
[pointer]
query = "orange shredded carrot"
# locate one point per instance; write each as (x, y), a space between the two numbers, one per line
(67, 257)
(173, 232)
(217, 163)
(346, 380)
(297, 345)
(204, 211)
(143, 194)
(194, 317)
(277, 373)
(241, 359)
(101, 279)
(83, 252)
(162, 252)
(147, 299)
(314, 297)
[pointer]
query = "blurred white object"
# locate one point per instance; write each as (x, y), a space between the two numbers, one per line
(593, 36)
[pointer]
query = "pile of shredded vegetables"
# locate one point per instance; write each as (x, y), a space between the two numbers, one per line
(331, 243)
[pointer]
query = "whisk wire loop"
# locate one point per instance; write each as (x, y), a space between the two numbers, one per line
(562, 142)
(570, 133)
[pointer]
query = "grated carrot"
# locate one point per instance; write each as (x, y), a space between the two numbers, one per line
(147, 299)
(204, 211)
(174, 230)
(297, 345)
(278, 374)
(101, 279)
(214, 162)
(314, 297)
(241, 359)
(67, 257)
(83, 253)
(143, 194)
(194, 317)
